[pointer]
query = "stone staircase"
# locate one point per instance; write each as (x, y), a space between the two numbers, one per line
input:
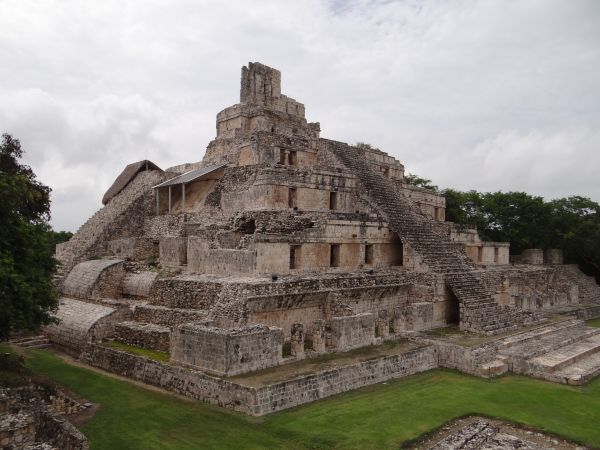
(40, 341)
(479, 312)
(566, 352)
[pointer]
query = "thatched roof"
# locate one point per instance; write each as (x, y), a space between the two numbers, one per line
(126, 176)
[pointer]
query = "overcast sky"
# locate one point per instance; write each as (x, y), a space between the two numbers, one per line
(486, 95)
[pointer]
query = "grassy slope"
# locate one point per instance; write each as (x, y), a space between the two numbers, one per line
(381, 416)
(594, 323)
(148, 353)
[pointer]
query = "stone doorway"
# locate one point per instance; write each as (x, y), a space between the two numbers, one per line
(452, 309)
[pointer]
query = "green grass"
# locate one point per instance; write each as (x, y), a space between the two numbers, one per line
(148, 353)
(593, 323)
(378, 417)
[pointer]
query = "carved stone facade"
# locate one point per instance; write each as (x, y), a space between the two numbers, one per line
(280, 245)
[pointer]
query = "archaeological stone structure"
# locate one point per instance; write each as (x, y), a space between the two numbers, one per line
(281, 245)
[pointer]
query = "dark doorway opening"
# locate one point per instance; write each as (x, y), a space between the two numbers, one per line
(452, 309)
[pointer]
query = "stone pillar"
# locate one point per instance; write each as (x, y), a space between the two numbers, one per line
(383, 323)
(318, 336)
(297, 340)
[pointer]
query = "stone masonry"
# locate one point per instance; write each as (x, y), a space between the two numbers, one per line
(280, 245)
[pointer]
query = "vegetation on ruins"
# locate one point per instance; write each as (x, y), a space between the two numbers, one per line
(571, 224)
(381, 416)
(27, 295)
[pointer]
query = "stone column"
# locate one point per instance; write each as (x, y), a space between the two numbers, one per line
(298, 340)
(318, 336)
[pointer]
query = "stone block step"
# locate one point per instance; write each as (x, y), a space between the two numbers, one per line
(580, 372)
(539, 333)
(568, 355)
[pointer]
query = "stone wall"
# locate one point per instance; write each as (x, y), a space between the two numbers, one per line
(172, 251)
(414, 317)
(185, 292)
(138, 284)
(145, 335)
(267, 399)
(138, 248)
(191, 383)
(352, 331)
(226, 352)
(161, 315)
(309, 388)
(553, 256)
(203, 259)
(532, 256)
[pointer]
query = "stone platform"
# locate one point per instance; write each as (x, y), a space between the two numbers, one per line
(564, 350)
(263, 392)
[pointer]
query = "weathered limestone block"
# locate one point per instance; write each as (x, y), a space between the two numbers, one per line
(414, 317)
(298, 340)
(161, 315)
(138, 284)
(226, 351)
(172, 251)
(95, 278)
(318, 336)
(532, 256)
(553, 256)
(81, 322)
(133, 248)
(146, 335)
(350, 332)
(383, 323)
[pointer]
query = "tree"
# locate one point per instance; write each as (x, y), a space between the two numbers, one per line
(27, 295)
(416, 180)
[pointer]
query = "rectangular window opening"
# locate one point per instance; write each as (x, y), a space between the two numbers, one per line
(369, 254)
(333, 200)
(479, 254)
(496, 254)
(334, 255)
(282, 158)
(294, 256)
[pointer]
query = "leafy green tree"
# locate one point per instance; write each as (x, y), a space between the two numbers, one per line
(27, 295)
(416, 180)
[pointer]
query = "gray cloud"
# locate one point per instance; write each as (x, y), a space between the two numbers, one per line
(474, 94)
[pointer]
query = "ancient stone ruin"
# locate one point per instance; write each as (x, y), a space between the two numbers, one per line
(281, 245)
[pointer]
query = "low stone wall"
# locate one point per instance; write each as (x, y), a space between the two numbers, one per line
(173, 251)
(180, 380)
(132, 248)
(324, 384)
(146, 335)
(185, 292)
(226, 352)
(267, 399)
(465, 359)
(161, 315)
(59, 431)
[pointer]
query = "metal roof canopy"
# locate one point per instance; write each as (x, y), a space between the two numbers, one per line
(190, 176)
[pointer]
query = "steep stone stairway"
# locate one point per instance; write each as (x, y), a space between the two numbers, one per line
(479, 312)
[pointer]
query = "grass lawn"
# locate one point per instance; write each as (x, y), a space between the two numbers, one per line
(593, 323)
(148, 353)
(378, 417)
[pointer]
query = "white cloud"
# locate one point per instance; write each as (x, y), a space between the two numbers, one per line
(473, 94)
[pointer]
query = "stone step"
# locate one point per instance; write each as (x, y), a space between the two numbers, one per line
(539, 333)
(579, 372)
(568, 355)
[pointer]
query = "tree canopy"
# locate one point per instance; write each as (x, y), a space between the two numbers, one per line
(571, 224)
(27, 295)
